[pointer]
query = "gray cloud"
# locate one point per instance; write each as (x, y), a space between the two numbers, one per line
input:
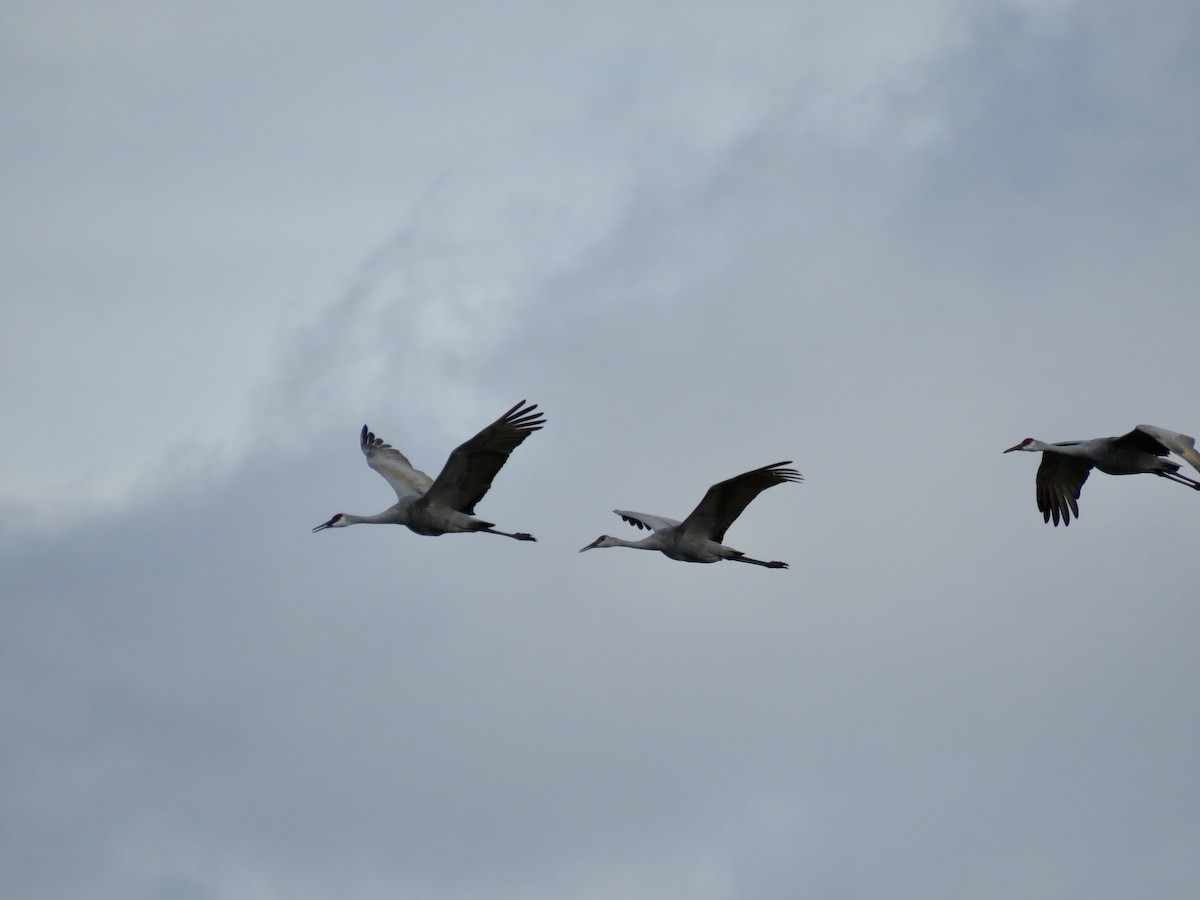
(941, 698)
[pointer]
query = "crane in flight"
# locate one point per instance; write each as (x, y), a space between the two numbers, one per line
(1065, 465)
(698, 538)
(446, 505)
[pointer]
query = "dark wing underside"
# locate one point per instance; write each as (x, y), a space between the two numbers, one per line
(469, 471)
(1142, 440)
(1059, 480)
(726, 500)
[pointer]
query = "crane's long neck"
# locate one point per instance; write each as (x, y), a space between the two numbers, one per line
(649, 542)
(387, 517)
(1069, 448)
(646, 543)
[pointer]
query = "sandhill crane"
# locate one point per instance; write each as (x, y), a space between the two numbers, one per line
(446, 505)
(1065, 465)
(698, 537)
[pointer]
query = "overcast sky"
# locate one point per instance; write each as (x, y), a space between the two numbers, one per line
(885, 240)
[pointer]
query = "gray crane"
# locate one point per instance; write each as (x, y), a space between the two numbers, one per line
(1065, 465)
(698, 538)
(446, 505)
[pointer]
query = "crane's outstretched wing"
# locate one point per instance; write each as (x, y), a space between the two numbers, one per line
(1160, 441)
(469, 471)
(393, 466)
(1059, 480)
(641, 520)
(725, 500)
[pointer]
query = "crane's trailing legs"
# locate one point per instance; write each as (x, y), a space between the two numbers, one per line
(519, 536)
(1181, 479)
(773, 564)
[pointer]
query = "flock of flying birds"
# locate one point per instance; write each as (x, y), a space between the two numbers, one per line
(446, 504)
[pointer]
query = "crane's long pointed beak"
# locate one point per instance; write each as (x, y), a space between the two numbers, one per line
(322, 527)
(1011, 449)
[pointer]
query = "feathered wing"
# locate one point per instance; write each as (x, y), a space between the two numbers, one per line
(641, 520)
(469, 471)
(393, 466)
(726, 500)
(1161, 441)
(1059, 480)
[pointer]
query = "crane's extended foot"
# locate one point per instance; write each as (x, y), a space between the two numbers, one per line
(522, 536)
